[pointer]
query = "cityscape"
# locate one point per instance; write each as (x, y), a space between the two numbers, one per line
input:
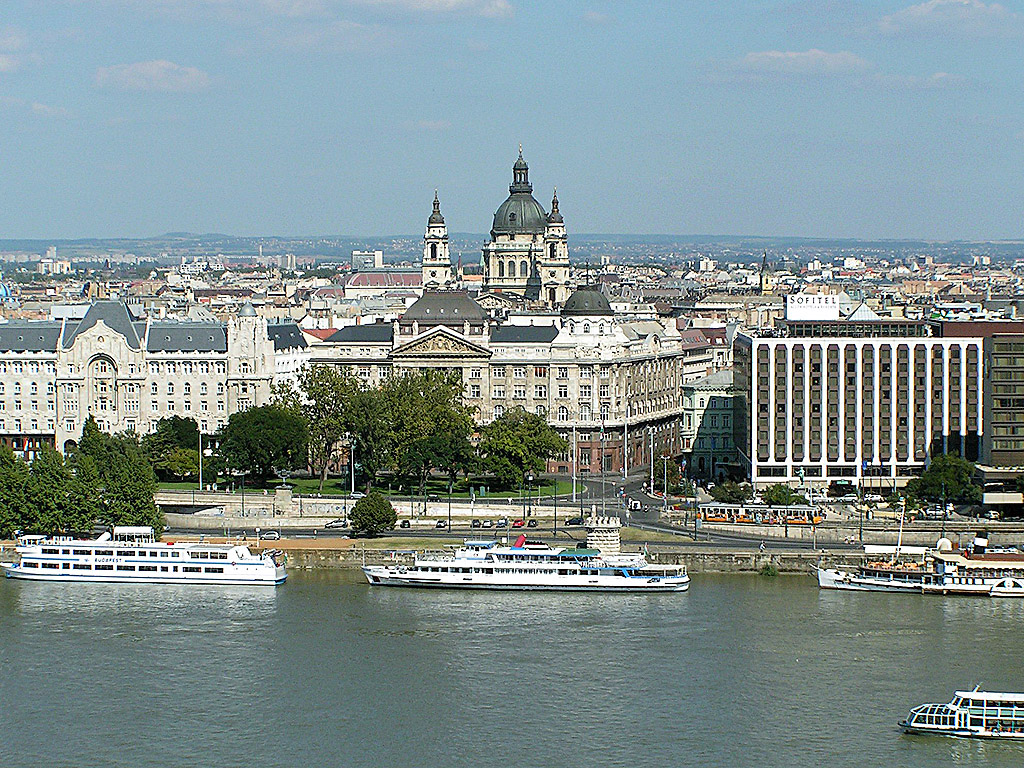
(454, 382)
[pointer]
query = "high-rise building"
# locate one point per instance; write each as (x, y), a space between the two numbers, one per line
(870, 401)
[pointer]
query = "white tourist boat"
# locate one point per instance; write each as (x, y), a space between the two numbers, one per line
(132, 554)
(972, 714)
(942, 571)
(531, 565)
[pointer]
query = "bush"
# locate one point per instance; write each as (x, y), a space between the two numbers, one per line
(372, 515)
(769, 570)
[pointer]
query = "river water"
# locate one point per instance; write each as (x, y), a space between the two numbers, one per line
(325, 671)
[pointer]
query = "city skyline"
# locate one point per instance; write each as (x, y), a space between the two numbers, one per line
(880, 120)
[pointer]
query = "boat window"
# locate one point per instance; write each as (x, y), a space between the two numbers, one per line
(201, 555)
(81, 551)
(82, 567)
(48, 551)
(191, 569)
(214, 570)
(65, 551)
(163, 569)
(163, 554)
(65, 566)
(51, 565)
(154, 554)
(107, 552)
(29, 565)
(127, 553)
(147, 567)
(106, 567)
(174, 554)
(126, 567)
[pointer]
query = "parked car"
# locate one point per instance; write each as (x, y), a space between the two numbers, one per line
(531, 523)
(433, 498)
(848, 498)
(440, 524)
(501, 523)
(488, 524)
(475, 524)
(518, 523)
(405, 524)
(574, 521)
(875, 497)
(357, 495)
(339, 523)
(270, 535)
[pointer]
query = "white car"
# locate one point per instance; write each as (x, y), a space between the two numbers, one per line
(875, 497)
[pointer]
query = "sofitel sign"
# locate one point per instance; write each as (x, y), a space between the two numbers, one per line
(812, 306)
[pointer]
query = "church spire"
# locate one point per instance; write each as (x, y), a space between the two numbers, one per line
(436, 217)
(555, 217)
(520, 175)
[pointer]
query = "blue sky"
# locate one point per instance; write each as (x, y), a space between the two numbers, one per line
(827, 118)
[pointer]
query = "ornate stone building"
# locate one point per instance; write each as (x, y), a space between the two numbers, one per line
(528, 253)
(608, 384)
(437, 259)
(130, 372)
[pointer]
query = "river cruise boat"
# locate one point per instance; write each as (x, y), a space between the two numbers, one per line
(972, 714)
(132, 554)
(530, 565)
(942, 571)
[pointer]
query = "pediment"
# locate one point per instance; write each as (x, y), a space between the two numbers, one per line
(440, 343)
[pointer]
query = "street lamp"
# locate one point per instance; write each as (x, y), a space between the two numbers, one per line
(529, 495)
(664, 480)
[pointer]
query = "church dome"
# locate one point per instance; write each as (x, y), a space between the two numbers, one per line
(435, 215)
(520, 214)
(247, 310)
(587, 301)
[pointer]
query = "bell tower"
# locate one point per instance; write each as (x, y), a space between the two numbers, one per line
(437, 259)
(554, 261)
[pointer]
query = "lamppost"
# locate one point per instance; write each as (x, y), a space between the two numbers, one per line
(664, 480)
(529, 495)
(449, 505)
(603, 493)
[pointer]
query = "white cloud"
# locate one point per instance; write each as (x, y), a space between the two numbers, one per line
(965, 18)
(500, 9)
(157, 75)
(939, 81)
(45, 110)
(11, 39)
(9, 63)
(811, 63)
(333, 37)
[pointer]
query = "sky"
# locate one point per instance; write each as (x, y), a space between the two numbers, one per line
(815, 118)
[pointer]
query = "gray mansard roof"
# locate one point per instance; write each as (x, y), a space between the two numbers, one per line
(375, 333)
(523, 334)
(286, 336)
(187, 337)
(114, 314)
(29, 336)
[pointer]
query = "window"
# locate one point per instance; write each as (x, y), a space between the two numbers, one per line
(563, 373)
(474, 390)
(519, 392)
(603, 392)
(519, 372)
(474, 373)
(170, 388)
(153, 389)
(563, 413)
(187, 388)
(540, 390)
(586, 391)
(499, 372)
(540, 370)
(203, 388)
(498, 392)
(586, 372)
(563, 390)
(499, 411)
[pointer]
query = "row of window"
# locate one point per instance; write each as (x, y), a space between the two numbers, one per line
(122, 568)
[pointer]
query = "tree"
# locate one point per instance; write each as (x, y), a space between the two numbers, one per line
(516, 444)
(262, 440)
(372, 514)
(13, 479)
(371, 424)
(948, 478)
(781, 495)
(53, 497)
(731, 492)
(327, 396)
(115, 476)
(164, 447)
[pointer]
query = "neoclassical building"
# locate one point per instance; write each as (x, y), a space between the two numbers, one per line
(528, 253)
(608, 384)
(130, 372)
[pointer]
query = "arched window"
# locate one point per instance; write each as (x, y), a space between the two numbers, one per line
(586, 327)
(524, 269)
(433, 250)
(511, 269)
(600, 328)
(551, 250)
(499, 411)
(563, 413)
(501, 269)
(585, 412)
(542, 411)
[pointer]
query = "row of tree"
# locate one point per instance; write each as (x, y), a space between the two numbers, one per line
(105, 479)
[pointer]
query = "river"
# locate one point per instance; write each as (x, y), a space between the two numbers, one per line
(325, 671)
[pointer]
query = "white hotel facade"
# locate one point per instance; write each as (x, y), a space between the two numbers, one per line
(867, 400)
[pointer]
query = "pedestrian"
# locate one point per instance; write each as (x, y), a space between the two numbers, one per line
(761, 548)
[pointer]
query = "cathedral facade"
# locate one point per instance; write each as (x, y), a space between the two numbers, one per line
(528, 253)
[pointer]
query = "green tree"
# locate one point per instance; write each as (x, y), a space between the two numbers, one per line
(518, 443)
(372, 514)
(14, 474)
(165, 446)
(372, 426)
(262, 440)
(181, 463)
(947, 478)
(115, 473)
(781, 495)
(53, 497)
(327, 396)
(731, 492)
